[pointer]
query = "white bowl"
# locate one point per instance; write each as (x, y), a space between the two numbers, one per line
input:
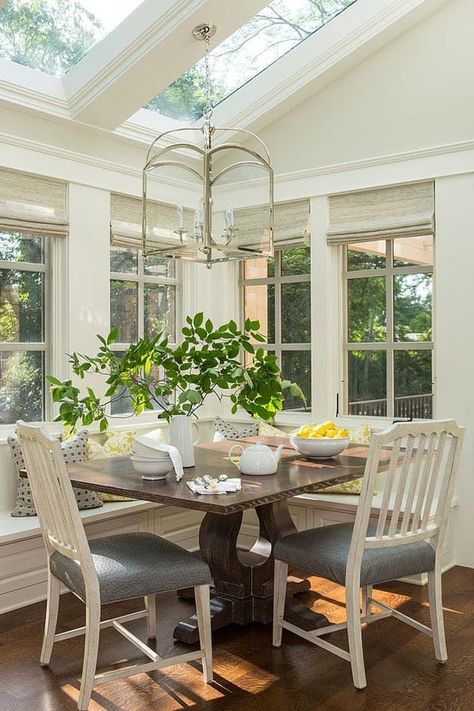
(323, 448)
(151, 456)
(144, 450)
(156, 469)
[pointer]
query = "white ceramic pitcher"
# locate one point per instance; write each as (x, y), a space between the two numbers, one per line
(181, 437)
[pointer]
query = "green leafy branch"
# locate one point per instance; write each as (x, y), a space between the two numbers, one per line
(177, 379)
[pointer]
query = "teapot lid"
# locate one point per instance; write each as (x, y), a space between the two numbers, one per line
(258, 446)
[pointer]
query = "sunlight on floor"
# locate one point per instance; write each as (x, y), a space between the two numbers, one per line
(180, 686)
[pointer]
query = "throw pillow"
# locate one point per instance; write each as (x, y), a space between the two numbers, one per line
(266, 430)
(74, 450)
(117, 444)
(227, 430)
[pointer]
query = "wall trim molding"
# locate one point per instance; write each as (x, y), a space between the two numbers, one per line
(64, 154)
(406, 166)
(26, 97)
(376, 161)
(299, 183)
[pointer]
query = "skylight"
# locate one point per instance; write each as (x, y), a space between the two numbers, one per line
(54, 35)
(252, 48)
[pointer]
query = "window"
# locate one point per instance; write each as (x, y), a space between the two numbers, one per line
(23, 328)
(266, 37)
(142, 299)
(54, 35)
(388, 327)
(277, 293)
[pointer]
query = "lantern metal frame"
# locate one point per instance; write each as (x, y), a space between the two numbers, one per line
(201, 246)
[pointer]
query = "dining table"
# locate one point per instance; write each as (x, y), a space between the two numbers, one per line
(242, 579)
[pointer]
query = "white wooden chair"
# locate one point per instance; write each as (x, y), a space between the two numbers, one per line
(405, 538)
(105, 570)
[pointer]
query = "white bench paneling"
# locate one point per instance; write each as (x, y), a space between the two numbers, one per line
(181, 526)
(23, 561)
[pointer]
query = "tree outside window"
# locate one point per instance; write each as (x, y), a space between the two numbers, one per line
(142, 300)
(23, 342)
(389, 340)
(277, 293)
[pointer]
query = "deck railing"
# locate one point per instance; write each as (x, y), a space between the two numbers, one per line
(416, 406)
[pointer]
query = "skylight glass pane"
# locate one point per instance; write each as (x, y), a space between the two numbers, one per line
(54, 35)
(252, 48)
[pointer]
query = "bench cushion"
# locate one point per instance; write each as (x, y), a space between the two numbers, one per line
(132, 565)
(324, 551)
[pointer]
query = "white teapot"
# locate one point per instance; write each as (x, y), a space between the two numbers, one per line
(258, 459)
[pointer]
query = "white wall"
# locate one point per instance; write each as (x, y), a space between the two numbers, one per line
(454, 335)
(413, 93)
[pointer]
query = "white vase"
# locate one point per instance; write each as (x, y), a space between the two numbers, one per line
(181, 437)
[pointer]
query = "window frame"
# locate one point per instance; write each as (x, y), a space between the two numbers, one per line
(141, 278)
(50, 360)
(278, 347)
(390, 346)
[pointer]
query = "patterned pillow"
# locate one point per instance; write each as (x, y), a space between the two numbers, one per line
(227, 430)
(117, 444)
(267, 430)
(74, 450)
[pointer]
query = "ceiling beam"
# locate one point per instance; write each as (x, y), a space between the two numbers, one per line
(144, 54)
(360, 30)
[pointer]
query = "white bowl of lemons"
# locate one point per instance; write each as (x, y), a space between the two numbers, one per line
(320, 441)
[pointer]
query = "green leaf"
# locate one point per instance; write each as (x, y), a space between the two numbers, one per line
(198, 319)
(113, 336)
(248, 347)
(193, 396)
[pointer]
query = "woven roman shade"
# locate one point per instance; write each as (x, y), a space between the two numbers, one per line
(292, 226)
(33, 204)
(397, 211)
(126, 223)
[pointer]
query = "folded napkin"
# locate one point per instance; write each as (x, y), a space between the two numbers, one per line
(174, 454)
(229, 486)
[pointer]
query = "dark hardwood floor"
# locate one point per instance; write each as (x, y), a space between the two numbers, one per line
(249, 674)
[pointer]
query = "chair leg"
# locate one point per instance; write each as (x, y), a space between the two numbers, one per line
(52, 608)
(354, 633)
(91, 648)
(436, 614)
(279, 598)
(150, 604)
(366, 605)
(203, 610)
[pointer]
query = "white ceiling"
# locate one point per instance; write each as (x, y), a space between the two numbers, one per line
(154, 46)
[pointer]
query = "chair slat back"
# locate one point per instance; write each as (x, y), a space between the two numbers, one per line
(53, 495)
(417, 485)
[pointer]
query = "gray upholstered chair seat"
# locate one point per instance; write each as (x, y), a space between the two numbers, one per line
(324, 552)
(133, 565)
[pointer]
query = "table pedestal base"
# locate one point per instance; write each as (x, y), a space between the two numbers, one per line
(243, 580)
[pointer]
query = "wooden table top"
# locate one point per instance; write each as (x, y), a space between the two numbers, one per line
(295, 476)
